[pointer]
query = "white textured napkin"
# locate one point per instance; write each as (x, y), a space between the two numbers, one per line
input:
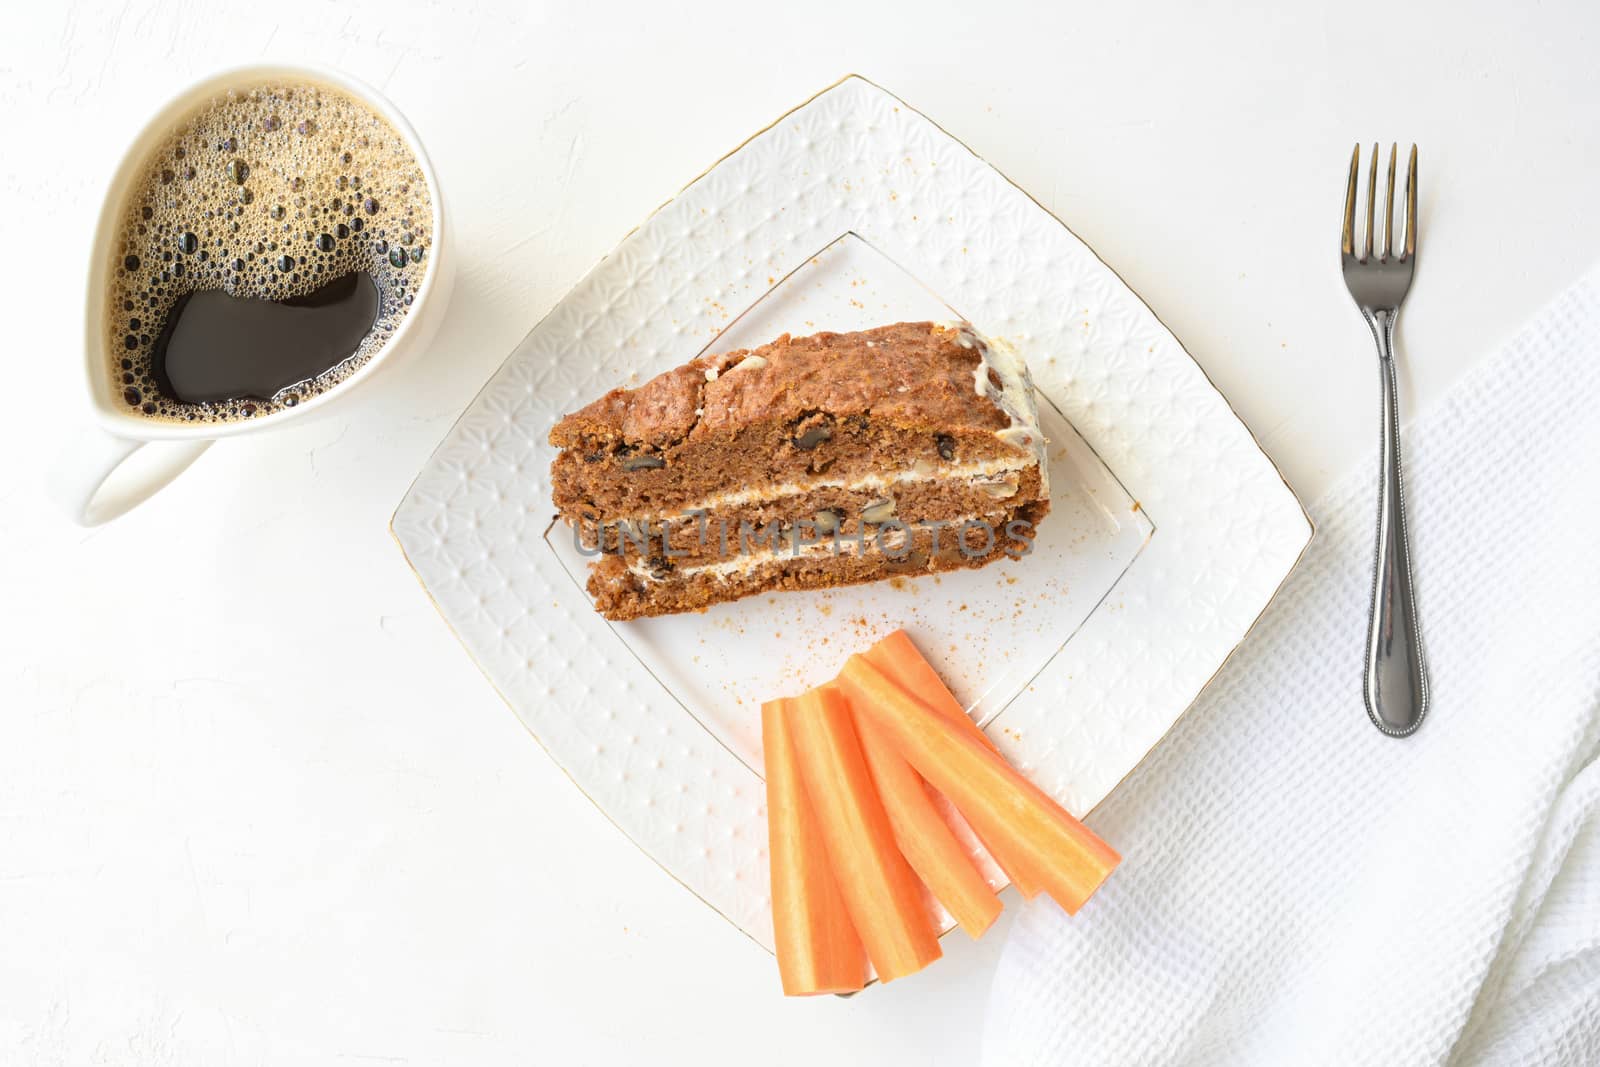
(1300, 889)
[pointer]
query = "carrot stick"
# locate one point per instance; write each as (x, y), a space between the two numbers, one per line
(818, 950)
(881, 895)
(924, 839)
(897, 657)
(1070, 860)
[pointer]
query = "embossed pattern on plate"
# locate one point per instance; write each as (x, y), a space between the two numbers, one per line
(853, 159)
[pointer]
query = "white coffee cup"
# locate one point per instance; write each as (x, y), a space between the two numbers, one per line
(125, 457)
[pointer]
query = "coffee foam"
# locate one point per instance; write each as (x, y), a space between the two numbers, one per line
(267, 191)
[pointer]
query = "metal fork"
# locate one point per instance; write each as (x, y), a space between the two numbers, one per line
(1396, 682)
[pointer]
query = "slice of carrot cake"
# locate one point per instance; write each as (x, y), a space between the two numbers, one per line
(806, 463)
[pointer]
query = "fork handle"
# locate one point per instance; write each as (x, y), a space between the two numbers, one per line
(1396, 684)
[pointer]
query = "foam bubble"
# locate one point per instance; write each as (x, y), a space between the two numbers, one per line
(267, 191)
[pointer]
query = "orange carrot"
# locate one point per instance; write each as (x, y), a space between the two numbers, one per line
(818, 950)
(881, 895)
(1024, 821)
(897, 657)
(924, 839)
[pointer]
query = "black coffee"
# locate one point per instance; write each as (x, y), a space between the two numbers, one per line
(217, 347)
(270, 246)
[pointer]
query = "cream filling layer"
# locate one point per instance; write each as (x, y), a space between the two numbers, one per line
(922, 472)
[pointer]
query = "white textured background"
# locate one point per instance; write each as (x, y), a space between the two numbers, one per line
(257, 807)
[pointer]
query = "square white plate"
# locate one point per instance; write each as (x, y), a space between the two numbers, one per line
(1170, 529)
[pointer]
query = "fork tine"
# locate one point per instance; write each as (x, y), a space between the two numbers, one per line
(1372, 202)
(1388, 206)
(1411, 204)
(1347, 243)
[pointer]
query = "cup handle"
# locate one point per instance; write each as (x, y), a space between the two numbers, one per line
(94, 480)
